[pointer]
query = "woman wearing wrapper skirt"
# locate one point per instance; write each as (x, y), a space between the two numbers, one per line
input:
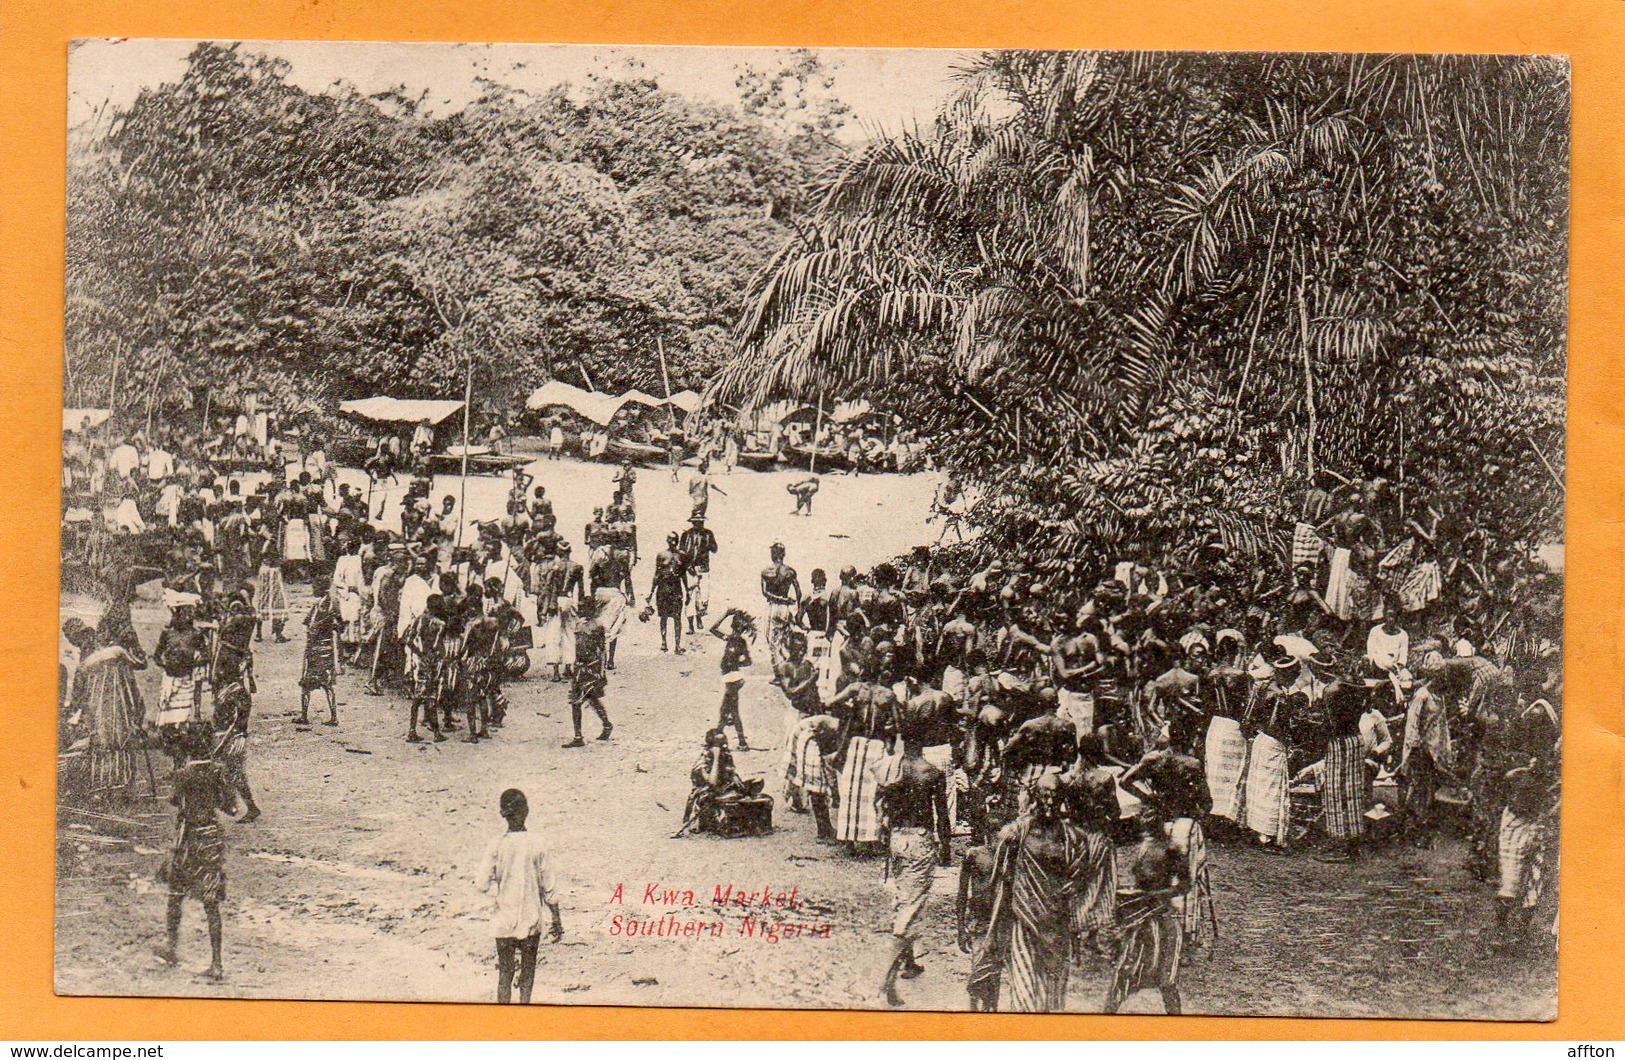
(1343, 786)
(1153, 934)
(197, 862)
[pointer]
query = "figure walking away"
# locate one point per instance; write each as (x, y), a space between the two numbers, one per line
(197, 862)
(519, 877)
(322, 627)
(588, 682)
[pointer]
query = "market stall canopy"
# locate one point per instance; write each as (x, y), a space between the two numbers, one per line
(767, 417)
(600, 408)
(638, 396)
(851, 411)
(401, 410)
(84, 419)
(686, 400)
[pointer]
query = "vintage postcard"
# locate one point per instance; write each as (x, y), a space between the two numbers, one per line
(947, 530)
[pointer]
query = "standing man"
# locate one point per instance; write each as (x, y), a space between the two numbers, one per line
(519, 876)
(625, 478)
(423, 639)
(781, 589)
(387, 583)
(197, 862)
(588, 682)
(696, 547)
(555, 609)
(422, 437)
(611, 578)
(541, 509)
(124, 460)
(1427, 754)
(668, 591)
(160, 465)
(413, 601)
(700, 487)
(868, 709)
(1173, 702)
(913, 800)
(1053, 884)
(321, 667)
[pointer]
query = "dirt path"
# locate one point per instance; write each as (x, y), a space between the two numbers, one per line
(358, 881)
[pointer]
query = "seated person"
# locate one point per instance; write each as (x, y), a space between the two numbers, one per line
(716, 783)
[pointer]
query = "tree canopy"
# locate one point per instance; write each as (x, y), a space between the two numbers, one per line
(1153, 298)
(232, 229)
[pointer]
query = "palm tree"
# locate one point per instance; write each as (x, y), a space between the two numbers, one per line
(1089, 251)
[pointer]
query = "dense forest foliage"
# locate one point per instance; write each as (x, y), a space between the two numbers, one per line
(234, 229)
(1151, 299)
(1136, 298)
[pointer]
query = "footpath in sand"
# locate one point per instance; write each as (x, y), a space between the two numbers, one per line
(358, 883)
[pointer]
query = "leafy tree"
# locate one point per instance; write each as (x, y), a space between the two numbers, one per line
(1154, 298)
(232, 229)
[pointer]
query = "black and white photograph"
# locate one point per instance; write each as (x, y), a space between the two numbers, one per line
(787, 528)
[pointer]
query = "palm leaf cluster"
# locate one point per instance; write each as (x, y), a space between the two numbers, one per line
(1155, 297)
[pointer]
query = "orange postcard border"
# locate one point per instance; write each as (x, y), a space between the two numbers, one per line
(33, 50)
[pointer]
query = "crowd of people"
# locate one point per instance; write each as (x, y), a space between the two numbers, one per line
(923, 700)
(1365, 702)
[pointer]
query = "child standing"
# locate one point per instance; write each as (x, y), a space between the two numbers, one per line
(735, 659)
(519, 876)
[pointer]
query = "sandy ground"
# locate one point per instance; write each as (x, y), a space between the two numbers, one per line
(358, 881)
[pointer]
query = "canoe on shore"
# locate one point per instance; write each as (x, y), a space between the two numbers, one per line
(478, 463)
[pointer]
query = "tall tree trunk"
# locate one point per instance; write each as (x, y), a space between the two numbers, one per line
(462, 486)
(1308, 379)
(1258, 318)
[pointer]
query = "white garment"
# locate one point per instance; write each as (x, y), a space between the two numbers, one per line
(124, 460)
(126, 517)
(415, 595)
(1389, 651)
(169, 503)
(1373, 730)
(348, 583)
(519, 878)
(160, 465)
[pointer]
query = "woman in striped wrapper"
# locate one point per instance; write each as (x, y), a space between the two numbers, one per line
(1054, 886)
(871, 725)
(1343, 786)
(1153, 931)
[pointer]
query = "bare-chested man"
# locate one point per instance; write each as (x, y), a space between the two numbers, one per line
(781, 590)
(1054, 884)
(973, 909)
(868, 709)
(913, 799)
(1074, 663)
(1046, 744)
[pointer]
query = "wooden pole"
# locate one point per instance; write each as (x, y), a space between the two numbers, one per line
(665, 381)
(112, 389)
(152, 393)
(818, 425)
(462, 502)
(1308, 380)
